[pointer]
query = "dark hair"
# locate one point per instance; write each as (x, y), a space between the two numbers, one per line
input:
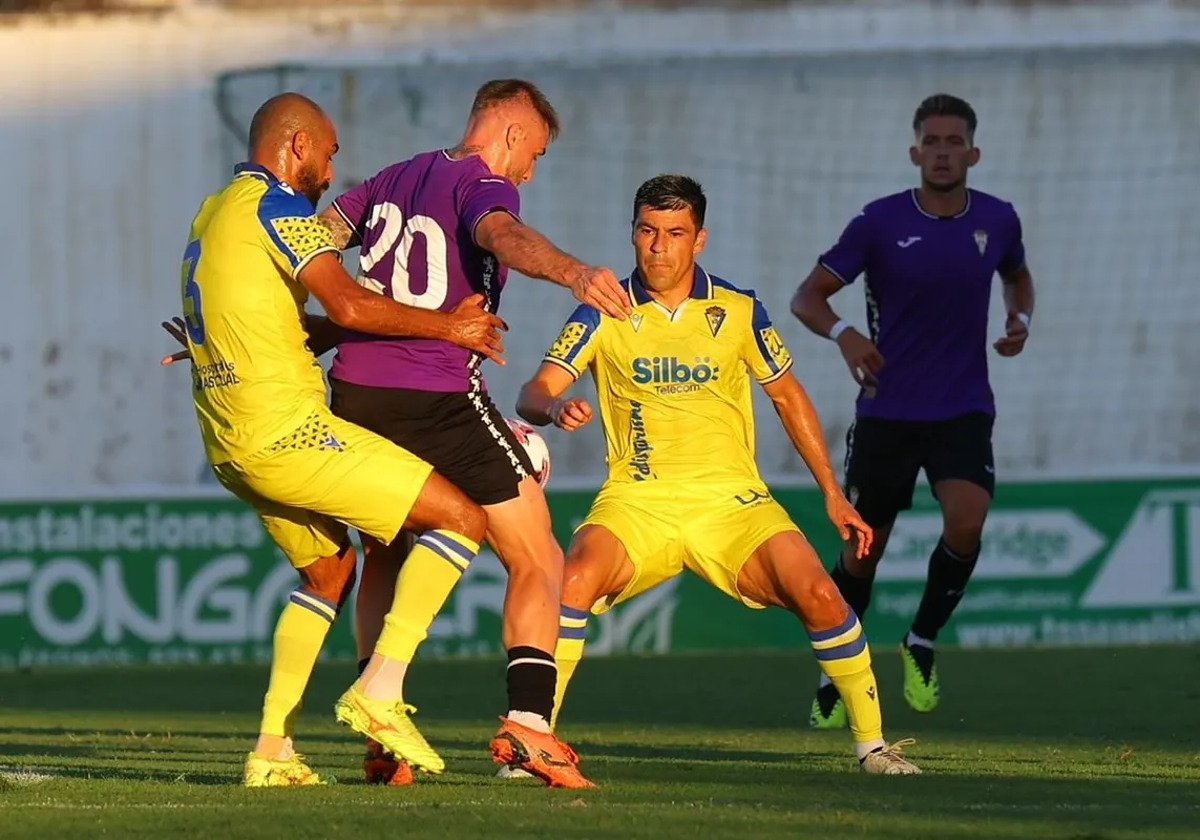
(672, 192)
(945, 105)
(499, 91)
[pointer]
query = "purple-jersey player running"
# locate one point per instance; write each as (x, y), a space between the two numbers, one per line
(435, 230)
(928, 256)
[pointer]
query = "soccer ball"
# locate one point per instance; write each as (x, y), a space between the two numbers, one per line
(535, 448)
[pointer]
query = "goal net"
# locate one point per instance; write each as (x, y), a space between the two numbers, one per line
(1097, 149)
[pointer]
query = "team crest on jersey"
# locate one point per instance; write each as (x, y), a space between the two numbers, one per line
(635, 321)
(715, 315)
(981, 241)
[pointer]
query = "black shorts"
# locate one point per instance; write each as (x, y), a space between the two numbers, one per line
(462, 434)
(883, 458)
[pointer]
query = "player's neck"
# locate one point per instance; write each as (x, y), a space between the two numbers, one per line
(676, 295)
(944, 204)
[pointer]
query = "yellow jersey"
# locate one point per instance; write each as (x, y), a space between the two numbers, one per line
(254, 378)
(674, 386)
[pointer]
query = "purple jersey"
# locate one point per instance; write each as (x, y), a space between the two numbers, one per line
(929, 283)
(416, 221)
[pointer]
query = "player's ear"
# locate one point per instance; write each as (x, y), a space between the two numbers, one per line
(300, 144)
(914, 155)
(514, 135)
(701, 239)
(973, 156)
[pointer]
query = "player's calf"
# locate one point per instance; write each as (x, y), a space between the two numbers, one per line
(786, 571)
(299, 635)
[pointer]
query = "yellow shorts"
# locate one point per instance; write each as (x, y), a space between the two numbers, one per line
(327, 475)
(667, 527)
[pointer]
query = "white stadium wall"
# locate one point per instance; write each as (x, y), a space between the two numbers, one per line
(1095, 145)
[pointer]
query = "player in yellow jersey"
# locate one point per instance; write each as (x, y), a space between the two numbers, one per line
(255, 253)
(683, 490)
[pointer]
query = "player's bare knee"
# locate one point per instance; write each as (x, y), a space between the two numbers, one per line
(963, 536)
(466, 518)
(819, 602)
(331, 578)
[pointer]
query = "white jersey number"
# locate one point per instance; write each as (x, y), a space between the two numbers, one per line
(395, 228)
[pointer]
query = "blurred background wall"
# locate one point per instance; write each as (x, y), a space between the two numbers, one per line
(793, 115)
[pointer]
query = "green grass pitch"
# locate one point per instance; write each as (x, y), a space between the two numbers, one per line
(1082, 744)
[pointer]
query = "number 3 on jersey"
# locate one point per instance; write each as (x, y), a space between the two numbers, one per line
(394, 228)
(193, 317)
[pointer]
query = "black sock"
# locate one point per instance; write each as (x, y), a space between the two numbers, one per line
(532, 678)
(944, 587)
(362, 665)
(855, 590)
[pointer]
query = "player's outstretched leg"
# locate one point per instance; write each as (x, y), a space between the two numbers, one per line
(377, 584)
(964, 509)
(525, 744)
(451, 528)
(854, 578)
(785, 571)
(299, 636)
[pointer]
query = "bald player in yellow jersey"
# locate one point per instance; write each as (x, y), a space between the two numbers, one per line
(255, 253)
(683, 490)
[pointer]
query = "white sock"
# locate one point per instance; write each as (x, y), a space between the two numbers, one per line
(867, 747)
(383, 678)
(913, 639)
(530, 720)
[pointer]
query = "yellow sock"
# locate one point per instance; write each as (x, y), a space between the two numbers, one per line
(299, 635)
(572, 628)
(844, 656)
(427, 578)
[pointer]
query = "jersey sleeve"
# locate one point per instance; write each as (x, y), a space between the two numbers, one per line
(764, 352)
(294, 233)
(848, 257)
(479, 196)
(1014, 254)
(576, 344)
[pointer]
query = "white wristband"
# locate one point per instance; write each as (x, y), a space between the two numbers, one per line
(837, 329)
(1023, 318)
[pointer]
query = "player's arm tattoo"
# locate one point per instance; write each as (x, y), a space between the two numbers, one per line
(343, 235)
(323, 334)
(523, 249)
(799, 418)
(1018, 291)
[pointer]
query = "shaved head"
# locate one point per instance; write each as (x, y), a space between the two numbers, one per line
(293, 137)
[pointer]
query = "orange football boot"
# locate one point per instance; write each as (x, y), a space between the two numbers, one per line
(538, 753)
(381, 768)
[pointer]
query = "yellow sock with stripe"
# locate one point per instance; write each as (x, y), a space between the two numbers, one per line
(428, 576)
(572, 630)
(845, 658)
(299, 635)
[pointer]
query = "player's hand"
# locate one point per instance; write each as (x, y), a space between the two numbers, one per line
(473, 327)
(571, 414)
(175, 328)
(849, 524)
(863, 359)
(600, 288)
(1015, 334)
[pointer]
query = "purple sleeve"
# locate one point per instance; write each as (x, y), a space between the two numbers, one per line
(848, 258)
(480, 196)
(353, 204)
(1014, 255)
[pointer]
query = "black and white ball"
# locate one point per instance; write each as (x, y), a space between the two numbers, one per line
(535, 448)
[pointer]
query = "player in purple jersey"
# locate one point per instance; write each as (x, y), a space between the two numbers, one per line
(432, 231)
(928, 256)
